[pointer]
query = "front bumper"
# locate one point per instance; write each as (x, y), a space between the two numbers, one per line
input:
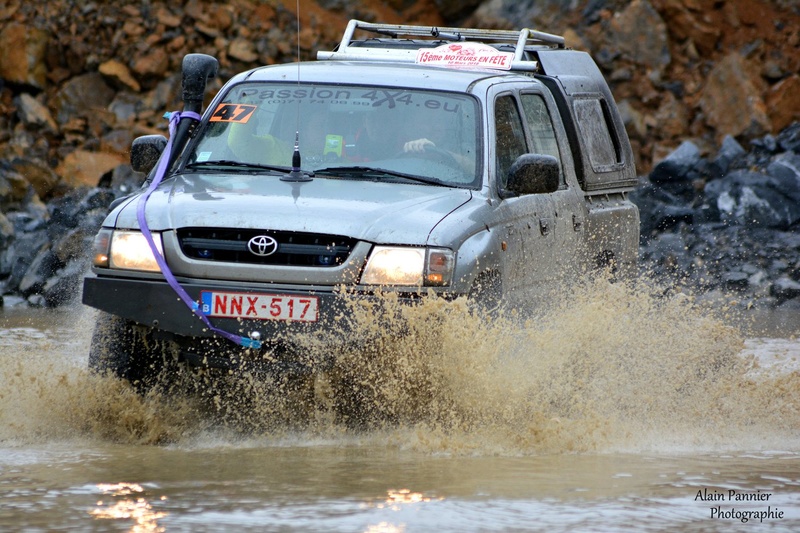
(153, 303)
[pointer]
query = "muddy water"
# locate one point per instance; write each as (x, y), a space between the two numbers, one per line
(621, 411)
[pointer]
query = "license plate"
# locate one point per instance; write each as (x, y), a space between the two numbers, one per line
(259, 306)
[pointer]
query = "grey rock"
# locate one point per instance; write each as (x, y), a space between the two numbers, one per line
(678, 165)
(729, 152)
(785, 288)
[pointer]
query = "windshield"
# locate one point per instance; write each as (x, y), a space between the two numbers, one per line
(345, 129)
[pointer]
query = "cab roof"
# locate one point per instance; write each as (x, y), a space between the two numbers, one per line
(380, 74)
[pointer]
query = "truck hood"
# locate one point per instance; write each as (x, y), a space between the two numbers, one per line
(375, 211)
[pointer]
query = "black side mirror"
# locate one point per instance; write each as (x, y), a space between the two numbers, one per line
(533, 174)
(145, 152)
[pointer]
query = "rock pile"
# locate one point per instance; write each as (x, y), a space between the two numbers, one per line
(727, 224)
(80, 80)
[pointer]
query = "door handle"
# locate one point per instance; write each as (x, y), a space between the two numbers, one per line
(545, 225)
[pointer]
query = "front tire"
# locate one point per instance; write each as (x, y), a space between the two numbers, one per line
(486, 294)
(127, 351)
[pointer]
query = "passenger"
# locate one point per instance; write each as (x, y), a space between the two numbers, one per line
(316, 143)
(317, 140)
(250, 145)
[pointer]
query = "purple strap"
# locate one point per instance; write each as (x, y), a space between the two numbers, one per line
(174, 119)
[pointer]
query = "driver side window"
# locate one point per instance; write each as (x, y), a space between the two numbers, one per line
(509, 136)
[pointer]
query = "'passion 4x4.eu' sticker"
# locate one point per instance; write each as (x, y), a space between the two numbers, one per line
(465, 55)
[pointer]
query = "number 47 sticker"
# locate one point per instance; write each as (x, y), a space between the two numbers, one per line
(232, 113)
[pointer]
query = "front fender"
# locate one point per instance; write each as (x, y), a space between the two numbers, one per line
(479, 253)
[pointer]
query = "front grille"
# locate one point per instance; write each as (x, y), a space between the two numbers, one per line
(293, 248)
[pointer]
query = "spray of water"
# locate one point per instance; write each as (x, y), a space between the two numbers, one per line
(609, 366)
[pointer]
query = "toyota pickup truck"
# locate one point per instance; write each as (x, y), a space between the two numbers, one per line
(421, 161)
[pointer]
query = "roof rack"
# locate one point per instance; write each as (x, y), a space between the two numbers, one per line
(524, 40)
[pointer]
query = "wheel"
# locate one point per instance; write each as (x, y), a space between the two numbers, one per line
(486, 294)
(605, 264)
(127, 351)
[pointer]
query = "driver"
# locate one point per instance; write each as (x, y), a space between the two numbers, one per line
(437, 134)
(433, 131)
(385, 129)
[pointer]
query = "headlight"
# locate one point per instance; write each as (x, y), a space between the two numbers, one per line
(390, 265)
(129, 250)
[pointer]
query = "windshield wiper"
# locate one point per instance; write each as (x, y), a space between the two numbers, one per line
(361, 172)
(227, 163)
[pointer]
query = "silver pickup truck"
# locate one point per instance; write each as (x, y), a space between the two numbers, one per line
(468, 163)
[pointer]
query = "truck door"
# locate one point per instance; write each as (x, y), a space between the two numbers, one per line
(569, 205)
(543, 230)
(529, 220)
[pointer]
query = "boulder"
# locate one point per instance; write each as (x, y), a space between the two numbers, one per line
(686, 24)
(38, 173)
(119, 75)
(6, 232)
(785, 169)
(783, 102)
(43, 266)
(64, 285)
(23, 51)
(728, 153)
(242, 50)
(785, 288)
(638, 33)
(82, 97)
(14, 188)
(20, 255)
(746, 198)
(153, 64)
(732, 101)
(83, 167)
(679, 165)
(457, 9)
(789, 139)
(34, 114)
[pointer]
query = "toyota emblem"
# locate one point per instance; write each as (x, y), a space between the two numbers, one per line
(262, 245)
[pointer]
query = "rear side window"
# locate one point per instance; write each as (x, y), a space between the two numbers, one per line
(540, 126)
(604, 152)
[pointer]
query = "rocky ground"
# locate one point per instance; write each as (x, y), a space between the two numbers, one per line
(709, 90)
(726, 226)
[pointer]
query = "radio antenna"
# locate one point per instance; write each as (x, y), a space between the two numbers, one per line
(297, 56)
(296, 173)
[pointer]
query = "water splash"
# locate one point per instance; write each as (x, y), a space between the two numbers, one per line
(608, 367)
